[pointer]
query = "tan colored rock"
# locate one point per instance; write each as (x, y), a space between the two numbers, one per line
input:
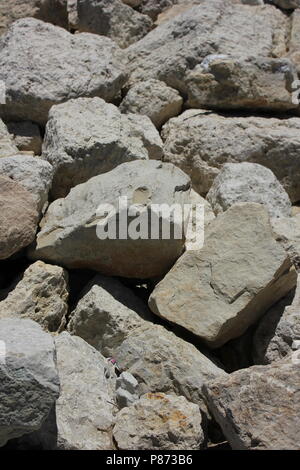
(40, 295)
(159, 422)
(200, 217)
(287, 233)
(18, 217)
(173, 11)
(219, 291)
(258, 408)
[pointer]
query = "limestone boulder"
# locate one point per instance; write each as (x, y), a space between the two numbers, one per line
(29, 379)
(87, 137)
(154, 99)
(219, 291)
(81, 231)
(200, 142)
(159, 422)
(41, 295)
(55, 66)
(18, 217)
(248, 182)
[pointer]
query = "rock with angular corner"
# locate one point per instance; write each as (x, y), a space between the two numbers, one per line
(153, 99)
(27, 136)
(219, 291)
(200, 142)
(258, 408)
(159, 422)
(55, 66)
(103, 224)
(104, 17)
(248, 182)
(287, 233)
(201, 215)
(33, 173)
(107, 313)
(7, 145)
(226, 82)
(126, 390)
(278, 331)
(29, 380)
(175, 47)
(161, 361)
(18, 217)
(41, 295)
(87, 136)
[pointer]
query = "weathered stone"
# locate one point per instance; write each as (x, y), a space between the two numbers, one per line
(18, 217)
(226, 82)
(107, 313)
(287, 233)
(153, 8)
(159, 422)
(161, 361)
(27, 136)
(7, 146)
(248, 182)
(33, 173)
(200, 142)
(174, 48)
(278, 330)
(28, 376)
(74, 230)
(57, 65)
(199, 220)
(258, 408)
(173, 11)
(294, 45)
(105, 17)
(41, 295)
(219, 291)
(86, 137)
(126, 390)
(153, 99)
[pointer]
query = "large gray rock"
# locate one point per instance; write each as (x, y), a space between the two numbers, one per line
(248, 182)
(226, 82)
(287, 233)
(219, 291)
(174, 48)
(33, 173)
(107, 313)
(27, 136)
(86, 137)
(154, 99)
(163, 362)
(7, 145)
(57, 65)
(74, 230)
(18, 217)
(159, 422)
(258, 408)
(29, 380)
(200, 142)
(105, 17)
(41, 295)
(277, 331)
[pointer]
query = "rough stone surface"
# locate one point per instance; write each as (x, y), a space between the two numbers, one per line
(126, 390)
(153, 99)
(86, 137)
(248, 182)
(287, 4)
(33, 173)
(224, 82)
(200, 142)
(18, 217)
(27, 136)
(159, 422)
(155, 7)
(294, 43)
(219, 291)
(106, 314)
(7, 145)
(72, 229)
(277, 331)
(258, 408)
(174, 48)
(200, 217)
(29, 380)
(55, 66)
(105, 17)
(161, 361)
(287, 233)
(173, 11)
(41, 295)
